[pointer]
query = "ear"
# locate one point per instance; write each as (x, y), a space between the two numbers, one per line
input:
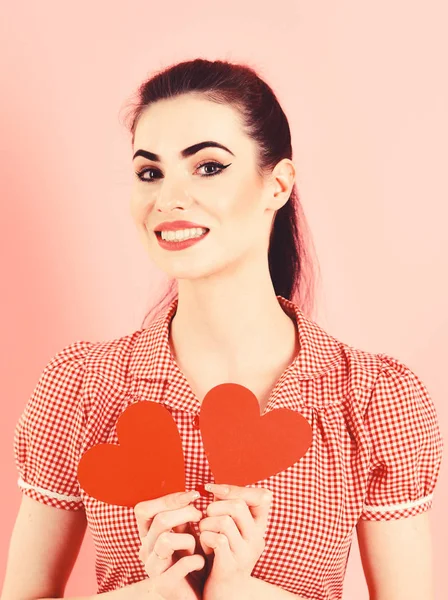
(281, 182)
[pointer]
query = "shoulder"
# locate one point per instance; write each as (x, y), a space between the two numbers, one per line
(363, 368)
(384, 378)
(344, 367)
(73, 354)
(327, 360)
(111, 359)
(359, 374)
(131, 356)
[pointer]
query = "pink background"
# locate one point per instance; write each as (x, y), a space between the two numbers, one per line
(363, 87)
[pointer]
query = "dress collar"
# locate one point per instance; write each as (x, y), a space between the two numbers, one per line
(152, 358)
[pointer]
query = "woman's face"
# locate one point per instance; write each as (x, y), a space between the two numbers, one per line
(235, 204)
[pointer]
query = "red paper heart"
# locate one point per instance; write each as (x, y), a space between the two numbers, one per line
(147, 463)
(243, 447)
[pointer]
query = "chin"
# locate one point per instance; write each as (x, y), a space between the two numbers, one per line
(191, 274)
(196, 269)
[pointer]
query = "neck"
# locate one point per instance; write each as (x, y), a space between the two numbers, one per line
(233, 319)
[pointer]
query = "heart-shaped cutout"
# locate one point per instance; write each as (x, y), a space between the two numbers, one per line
(147, 463)
(242, 446)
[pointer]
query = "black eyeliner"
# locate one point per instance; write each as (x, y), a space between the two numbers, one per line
(217, 164)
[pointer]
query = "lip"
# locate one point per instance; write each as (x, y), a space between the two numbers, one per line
(174, 225)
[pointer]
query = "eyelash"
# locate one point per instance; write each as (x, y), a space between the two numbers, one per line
(215, 164)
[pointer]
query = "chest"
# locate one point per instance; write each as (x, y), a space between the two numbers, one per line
(317, 501)
(261, 383)
(299, 491)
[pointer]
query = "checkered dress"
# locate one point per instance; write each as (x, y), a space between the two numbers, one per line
(375, 455)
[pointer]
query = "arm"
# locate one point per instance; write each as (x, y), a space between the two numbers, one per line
(396, 556)
(45, 544)
(406, 447)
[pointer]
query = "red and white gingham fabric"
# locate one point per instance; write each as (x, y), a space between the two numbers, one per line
(375, 454)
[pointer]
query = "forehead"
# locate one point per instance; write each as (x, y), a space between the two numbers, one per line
(175, 123)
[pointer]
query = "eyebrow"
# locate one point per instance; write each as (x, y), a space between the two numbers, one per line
(184, 153)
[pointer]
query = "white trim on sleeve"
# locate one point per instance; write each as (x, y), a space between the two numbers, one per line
(402, 506)
(23, 484)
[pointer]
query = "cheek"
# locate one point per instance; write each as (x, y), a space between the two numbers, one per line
(244, 219)
(140, 206)
(239, 205)
(248, 200)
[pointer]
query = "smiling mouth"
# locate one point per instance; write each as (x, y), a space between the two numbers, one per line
(185, 239)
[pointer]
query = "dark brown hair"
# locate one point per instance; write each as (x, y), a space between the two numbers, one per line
(291, 253)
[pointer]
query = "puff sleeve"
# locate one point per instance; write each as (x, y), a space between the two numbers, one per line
(406, 445)
(46, 436)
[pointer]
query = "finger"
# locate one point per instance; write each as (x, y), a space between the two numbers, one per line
(169, 542)
(207, 548)
(197, 549)
(155, 566)
(196, 580)
(227, 526)
(258, 500)
(166, 542)
(208, 554)
(166, 521)
(146, 510)
(186, 565)
(148, 557)
(219, 544)
(191, 530)
(240, 513)
(159, 558)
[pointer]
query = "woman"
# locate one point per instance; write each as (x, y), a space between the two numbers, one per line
(212, 156)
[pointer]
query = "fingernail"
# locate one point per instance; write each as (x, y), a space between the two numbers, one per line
(186, 497)
(218, 488)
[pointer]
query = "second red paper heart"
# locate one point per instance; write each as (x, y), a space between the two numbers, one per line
(243, 447)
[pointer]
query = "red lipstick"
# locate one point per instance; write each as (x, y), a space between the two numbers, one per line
(173, 225)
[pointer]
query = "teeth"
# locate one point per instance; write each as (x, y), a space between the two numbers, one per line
(182, 234)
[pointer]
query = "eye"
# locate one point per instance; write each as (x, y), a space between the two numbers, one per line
(140, 174)
(143, 171)
(211, 164)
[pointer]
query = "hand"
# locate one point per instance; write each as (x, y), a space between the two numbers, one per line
(163, 524)
(233, 536)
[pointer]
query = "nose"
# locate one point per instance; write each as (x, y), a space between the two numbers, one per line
(172, 195)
